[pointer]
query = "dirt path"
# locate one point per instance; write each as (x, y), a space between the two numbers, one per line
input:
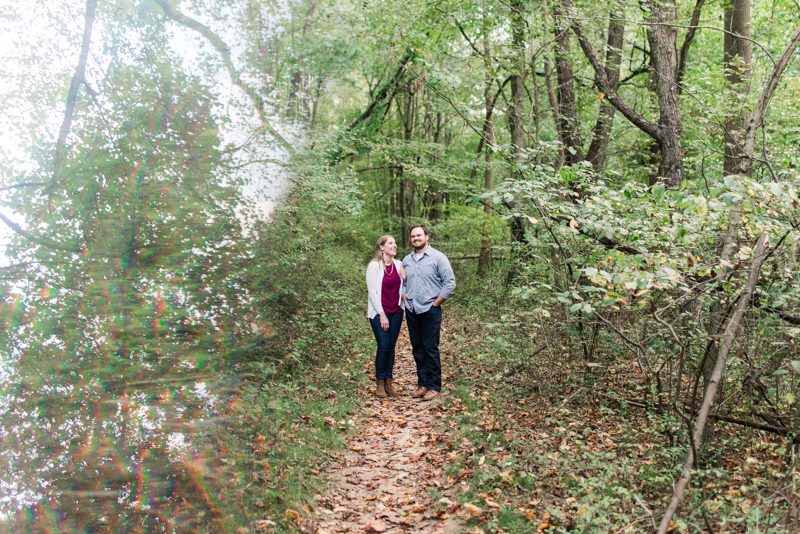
(382, 483)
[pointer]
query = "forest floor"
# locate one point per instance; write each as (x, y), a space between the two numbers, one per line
(389, 478)
(535, 449)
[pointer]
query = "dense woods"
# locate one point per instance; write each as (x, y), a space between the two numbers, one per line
(616, 185)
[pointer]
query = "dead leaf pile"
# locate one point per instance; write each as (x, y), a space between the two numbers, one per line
(381, 484)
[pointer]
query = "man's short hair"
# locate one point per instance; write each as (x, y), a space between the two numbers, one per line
(424, 228)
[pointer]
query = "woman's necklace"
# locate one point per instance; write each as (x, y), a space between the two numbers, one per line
(391, 270)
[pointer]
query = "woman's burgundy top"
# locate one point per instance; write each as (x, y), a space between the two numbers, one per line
(390, 290)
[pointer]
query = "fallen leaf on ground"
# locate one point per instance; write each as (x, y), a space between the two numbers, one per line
(292, 513)
(377, 526)
(472, 509)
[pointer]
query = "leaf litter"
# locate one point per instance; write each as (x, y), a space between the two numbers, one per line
(382, 483)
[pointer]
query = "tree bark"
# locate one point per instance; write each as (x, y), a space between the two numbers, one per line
(516, 111)
(727, 343)
(763, 102)
(488, 129)
(605, 119)
(567, 111)
(667, 132)
(663, 42)
(737, 57)
(401, 204)
(687, 43)
(551, 98)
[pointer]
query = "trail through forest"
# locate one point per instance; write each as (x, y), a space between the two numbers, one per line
(382, 483)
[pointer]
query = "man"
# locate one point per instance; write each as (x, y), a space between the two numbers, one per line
(429, 282)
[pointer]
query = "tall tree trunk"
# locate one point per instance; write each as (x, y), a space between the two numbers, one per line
(605, 119)
(535, 102)
(567, 111)
(315, 104)
(516, 111)
(551, 98)
(663, 49)
(392, 208)
(488, 129)
(401, 204)
(667, 133)
(297, 105)
(409, 184)
(737, 56)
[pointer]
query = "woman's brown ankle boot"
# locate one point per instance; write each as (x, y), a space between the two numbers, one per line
(379, 389)
(390, 388)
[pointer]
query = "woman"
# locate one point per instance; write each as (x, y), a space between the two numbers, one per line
(385, 278)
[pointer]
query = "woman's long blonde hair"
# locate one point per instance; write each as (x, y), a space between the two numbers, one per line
(378, 252)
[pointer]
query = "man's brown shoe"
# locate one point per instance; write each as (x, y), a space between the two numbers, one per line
(390, 388)
(419, 392)
(379, 389)
(430, 395)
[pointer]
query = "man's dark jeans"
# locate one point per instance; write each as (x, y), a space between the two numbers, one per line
(387, 339)
(424, 330)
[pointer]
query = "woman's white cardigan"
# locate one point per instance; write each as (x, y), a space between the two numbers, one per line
(374, 285)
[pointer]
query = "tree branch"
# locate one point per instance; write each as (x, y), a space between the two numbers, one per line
(72, 96)
(24, 184)
(711, 388)
(384, 91)
(687, 43)
(601, 80)
(376, 167)
(223, 50)
(608, 242)
(763, 103)
(644, 69)
(30, 237)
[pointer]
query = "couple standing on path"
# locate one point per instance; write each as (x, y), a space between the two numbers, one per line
(420, 284)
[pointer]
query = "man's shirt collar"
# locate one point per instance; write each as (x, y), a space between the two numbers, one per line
(416, 256)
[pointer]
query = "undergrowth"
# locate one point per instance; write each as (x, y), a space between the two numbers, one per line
(545, 442)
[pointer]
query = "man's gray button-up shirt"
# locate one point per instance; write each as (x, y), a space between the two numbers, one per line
(428, 275)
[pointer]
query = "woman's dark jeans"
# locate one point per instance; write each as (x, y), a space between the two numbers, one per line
(384, 357)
